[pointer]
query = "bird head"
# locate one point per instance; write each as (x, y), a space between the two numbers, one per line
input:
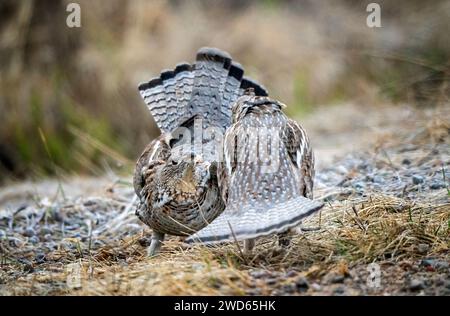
(248, 101)
(186, 178)
(241, 106)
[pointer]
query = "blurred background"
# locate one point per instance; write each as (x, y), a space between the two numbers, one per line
(68, 96)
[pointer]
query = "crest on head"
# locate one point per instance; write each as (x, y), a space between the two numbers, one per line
(249, 100)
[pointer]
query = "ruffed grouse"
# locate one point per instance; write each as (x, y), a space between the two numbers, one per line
(266, 179)
(176, 176)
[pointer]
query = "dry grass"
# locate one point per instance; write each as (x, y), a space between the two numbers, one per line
(377, 229)
(395, 225)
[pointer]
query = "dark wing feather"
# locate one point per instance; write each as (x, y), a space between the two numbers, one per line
(300, 152)
(262, 203)
(228, 164)
(157, 150)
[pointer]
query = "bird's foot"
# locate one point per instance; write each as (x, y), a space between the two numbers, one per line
(284, 239)
(248, 246)
(155, 245)
(183, 244)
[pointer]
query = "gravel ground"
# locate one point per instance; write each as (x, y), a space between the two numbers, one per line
(402, 155)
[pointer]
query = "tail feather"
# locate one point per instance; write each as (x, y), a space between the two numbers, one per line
(207, 89)
(169, 84)
(247, 222)
(211, 71)
(154, 96)
(184, 77)
(259, 89)
(231, 92)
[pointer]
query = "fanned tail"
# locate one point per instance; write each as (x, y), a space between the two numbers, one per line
(154, 96)
(248, 222)
(211, 71)
(206, 89)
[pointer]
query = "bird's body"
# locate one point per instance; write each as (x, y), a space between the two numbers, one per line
(176, 199)
(176, 176)
(266, 179)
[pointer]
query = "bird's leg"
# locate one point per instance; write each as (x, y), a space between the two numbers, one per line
(248, 245)
(157, 239)
(284, 239)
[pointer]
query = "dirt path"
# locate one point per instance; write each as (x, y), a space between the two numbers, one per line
(382, 171)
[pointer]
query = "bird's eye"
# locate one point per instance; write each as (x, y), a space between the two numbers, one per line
(174, 163)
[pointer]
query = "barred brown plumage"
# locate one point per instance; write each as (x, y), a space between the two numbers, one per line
(267, 175)
(176, 176)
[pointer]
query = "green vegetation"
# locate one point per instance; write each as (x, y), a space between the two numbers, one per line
(78, 86)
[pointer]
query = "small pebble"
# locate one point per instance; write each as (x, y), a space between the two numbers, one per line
(441, 265)
(302, 284)
(144, 241)
(27, 265)
(363, 166)
(289, 288)
(28, 268)
(29, 232)
(254, 292)
(427, 262)
(52, 245)
(338, 279)
(360, 186)
(40, 258)
(45, 230)
(34, 240)
(437, 186)
(23, 261)
(422, 248)
(416, 285)
(378, 179)
(417, 179)
(440, 281)
(406, 161)
(339, 290)
(316, 287)
(14, 242)
(271, 281)
(259, 274)
(334, 278)
(48, 237)
(57, 216)
(291, 274)
(98, 243)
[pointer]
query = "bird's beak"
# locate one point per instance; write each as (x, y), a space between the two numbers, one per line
(186, 183)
